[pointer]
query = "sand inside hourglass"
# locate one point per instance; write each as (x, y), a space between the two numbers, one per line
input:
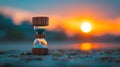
(40, 42)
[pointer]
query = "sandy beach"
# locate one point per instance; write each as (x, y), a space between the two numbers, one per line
(61, 58)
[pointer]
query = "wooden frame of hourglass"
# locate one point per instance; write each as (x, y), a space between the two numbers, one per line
(40, 23)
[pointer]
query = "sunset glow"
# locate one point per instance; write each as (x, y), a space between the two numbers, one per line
(73, 19)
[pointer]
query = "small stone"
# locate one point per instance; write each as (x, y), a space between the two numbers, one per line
(108, 52)
(57, 53)
(14, 56)
(22, 53)
(6, 65)
(55, 58)
(26, 53)
(70, 52)
(2, 52)
(77, 52)
(82, 55)
(31, 59)
(64, 58)
(107, 59)
(117, 60)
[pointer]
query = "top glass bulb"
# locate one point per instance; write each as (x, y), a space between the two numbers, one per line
(40, 29)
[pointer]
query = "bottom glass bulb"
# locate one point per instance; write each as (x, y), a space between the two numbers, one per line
(40, 43)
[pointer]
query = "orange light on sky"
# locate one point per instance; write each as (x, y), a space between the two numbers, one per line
(104, 16)
(72, 26)
(71, 22)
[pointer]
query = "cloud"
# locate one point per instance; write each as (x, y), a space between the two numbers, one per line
(17, 15)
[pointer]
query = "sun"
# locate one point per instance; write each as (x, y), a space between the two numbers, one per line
(86, 27)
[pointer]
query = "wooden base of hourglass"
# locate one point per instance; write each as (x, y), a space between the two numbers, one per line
(40, 51)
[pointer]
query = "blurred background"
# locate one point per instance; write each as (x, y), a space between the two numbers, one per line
(81, 24)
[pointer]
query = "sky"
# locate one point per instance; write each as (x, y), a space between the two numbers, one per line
(67, 15)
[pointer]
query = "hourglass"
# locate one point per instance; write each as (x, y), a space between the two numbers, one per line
(40, 44)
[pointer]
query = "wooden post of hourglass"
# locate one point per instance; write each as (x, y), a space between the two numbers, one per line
(40, 44)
